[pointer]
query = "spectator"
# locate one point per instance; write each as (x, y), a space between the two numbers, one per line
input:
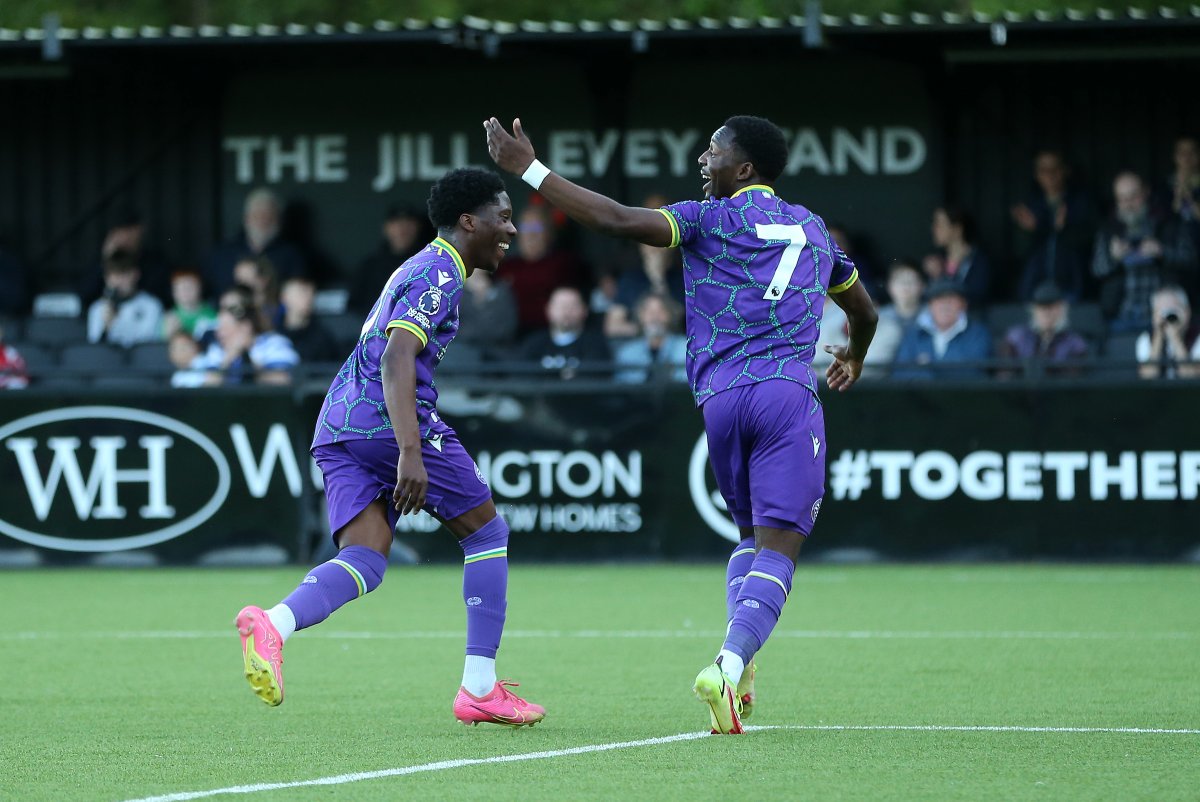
(13, 375)
(658, 271)
(660, 350)
(124, 315)
(537, 269)
(959, 257)
(1047, 337)
(259, 236)
(14, 286)
(128, 236)
(312, 341)
(183, 351)
(944, 335)
(405, 231)
(243, 351)
(1184, 186)
(905, 288)
(566, 345)
(1171, 348)
(487, 314)
(190, 314)
(1054, 230)
(1136, 252)
(604, 294)
(263, 280)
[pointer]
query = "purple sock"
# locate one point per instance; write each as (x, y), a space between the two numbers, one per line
(485, 586)
(355, 571)
(759, 603)
(739, 563)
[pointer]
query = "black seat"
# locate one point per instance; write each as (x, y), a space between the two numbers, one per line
(55, 331)
(93, 357)
(150, 357)
(344, 328)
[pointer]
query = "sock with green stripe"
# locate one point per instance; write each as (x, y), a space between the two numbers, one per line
(485, 591)
(759, 604)
(354, 572)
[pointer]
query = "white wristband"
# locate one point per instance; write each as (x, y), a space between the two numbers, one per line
(535, 174)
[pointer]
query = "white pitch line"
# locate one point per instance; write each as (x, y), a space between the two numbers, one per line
(343, 779)
(596, 634)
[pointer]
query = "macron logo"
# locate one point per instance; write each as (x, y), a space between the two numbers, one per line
(443, 277)
(816, 444)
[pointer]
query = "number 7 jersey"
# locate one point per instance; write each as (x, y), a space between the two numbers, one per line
(756, 273)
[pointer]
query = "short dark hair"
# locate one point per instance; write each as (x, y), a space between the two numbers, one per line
(762, 142)
(462, 191)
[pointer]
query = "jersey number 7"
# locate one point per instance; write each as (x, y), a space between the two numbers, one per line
(794, 236)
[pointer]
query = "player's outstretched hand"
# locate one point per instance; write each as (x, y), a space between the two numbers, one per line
(844, 371)
(512, 153)
(411, 483)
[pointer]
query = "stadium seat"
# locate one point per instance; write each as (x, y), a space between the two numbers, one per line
(56, 382)
(1088, 320)
(12, 327)
(150, 358)
(57, 304)
(1002, 317)
(461, 358)
(38, 358)
(345, 328)
(129, 382)
(55, 331)
(331, 301)
(97, 358)
(1119, 356)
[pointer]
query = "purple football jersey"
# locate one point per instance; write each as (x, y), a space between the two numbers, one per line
(756, 273)
(422, 298)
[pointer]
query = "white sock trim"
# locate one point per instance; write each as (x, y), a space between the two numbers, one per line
(479, 674)
(283, 619)
(732, 665)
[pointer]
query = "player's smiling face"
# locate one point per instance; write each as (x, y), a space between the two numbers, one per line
(722, 166)
(494, 231)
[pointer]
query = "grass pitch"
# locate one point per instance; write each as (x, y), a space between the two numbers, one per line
(119, 685)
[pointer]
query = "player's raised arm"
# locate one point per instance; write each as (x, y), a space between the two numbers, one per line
(514, 153)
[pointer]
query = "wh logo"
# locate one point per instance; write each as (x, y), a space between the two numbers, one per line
(96, 495)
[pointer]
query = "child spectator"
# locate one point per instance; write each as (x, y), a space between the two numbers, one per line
(191, 314)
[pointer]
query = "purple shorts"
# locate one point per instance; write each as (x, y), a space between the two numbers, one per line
(357, 472)
(766, 443)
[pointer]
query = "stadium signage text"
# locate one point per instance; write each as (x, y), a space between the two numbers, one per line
(1018, 475)
(889, 150)
(106, 478)
(559, 491)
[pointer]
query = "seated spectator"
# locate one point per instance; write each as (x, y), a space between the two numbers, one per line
(1184, 186)
(1171, 348)
(905, 289)
(1047, 336)
(183, 351)
(566, 345)
(660, 350)
(538, 268)
(487, 316)
(190, 314)
(944, 336)
(1055, 227)
(1136, 252)
(124, 315)
(312, 341)
(243, 351)
(958, 257)
(127, 235)
(13, 375)
(260, 236)
(14, 286)
(405, 231)
(658, 271)
(260, 276)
